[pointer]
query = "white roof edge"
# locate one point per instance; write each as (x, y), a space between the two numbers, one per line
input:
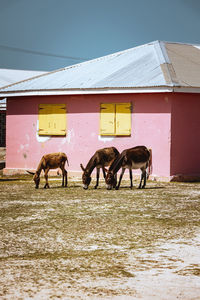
(163, 89)
(90, 91)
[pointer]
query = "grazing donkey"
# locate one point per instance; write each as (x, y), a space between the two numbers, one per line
(134, 158)
(51, 161)
(101, 158)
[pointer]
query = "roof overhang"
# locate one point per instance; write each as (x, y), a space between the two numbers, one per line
(156, 67)
(163, 89)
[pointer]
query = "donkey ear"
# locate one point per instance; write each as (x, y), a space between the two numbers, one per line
(82, 167)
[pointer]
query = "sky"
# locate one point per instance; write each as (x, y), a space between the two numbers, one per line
(47, 35)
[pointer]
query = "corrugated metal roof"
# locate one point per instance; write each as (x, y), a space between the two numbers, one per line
(9, 76)
(154, 66)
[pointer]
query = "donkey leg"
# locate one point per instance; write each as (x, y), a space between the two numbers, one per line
(145, 178)
(63, 177)
(66, 180)
(63, 173)
(140, 185)
(115, 183)
(46, 178)
(97, 181)
(131, 178)
(120, 178)
(104, 173)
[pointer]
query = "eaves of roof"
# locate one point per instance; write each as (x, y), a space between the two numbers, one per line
(154, 67)
(160, 89)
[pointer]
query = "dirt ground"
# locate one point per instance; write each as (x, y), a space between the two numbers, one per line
(2, 153)
(68, 243)
(2, 158)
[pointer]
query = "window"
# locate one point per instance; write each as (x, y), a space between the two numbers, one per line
(115, 119)
(52, 119)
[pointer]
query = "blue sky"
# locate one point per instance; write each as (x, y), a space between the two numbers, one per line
(51, 34)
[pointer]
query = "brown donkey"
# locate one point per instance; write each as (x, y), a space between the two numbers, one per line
(134, 158)
(102, 158)
(51, 161)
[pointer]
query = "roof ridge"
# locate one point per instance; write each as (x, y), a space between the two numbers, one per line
(106, 56)
(166, 64)
(102, 57)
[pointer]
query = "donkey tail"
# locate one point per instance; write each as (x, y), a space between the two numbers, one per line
(32, 173)
(67, 162)
(150, 167)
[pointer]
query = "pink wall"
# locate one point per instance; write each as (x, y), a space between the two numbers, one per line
(151, 121)
(185, 149)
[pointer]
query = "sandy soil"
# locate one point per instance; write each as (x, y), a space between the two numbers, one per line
(95, 244)
(171, 272)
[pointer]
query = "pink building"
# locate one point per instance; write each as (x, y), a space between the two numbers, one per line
(148, 95)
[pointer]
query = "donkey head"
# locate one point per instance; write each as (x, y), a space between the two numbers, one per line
(86, 178)
(36, 179)
(110, 179)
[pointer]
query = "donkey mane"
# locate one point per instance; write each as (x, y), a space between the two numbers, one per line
(116, 165)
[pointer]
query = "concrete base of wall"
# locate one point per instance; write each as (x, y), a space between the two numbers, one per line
(77, 175)
(185, 178)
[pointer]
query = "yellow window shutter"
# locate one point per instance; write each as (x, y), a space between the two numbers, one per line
(52, 119)
(107, 119)
(43, 119)
(123, 119)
